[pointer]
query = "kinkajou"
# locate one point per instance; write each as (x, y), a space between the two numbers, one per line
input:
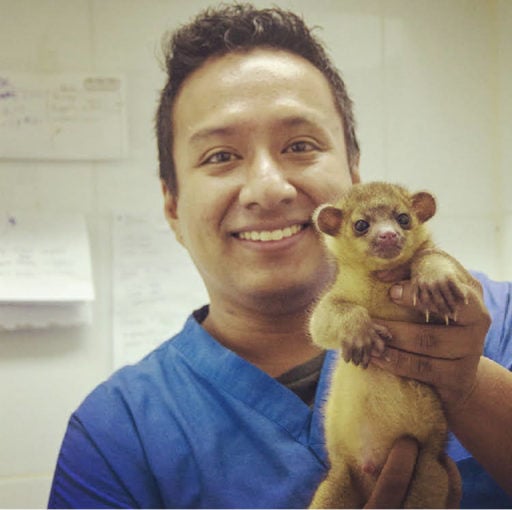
(374, 227)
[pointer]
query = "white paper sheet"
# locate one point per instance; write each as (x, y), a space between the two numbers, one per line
(38, 315)
(62, 116)
(44, 257)
(155, 288)
(45, 270)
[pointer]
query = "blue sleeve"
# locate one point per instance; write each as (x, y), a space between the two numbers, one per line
(102, 462)
(83, 477)
(498, 299)
(479, 489)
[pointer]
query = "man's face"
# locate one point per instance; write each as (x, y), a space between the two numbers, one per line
(258, 145)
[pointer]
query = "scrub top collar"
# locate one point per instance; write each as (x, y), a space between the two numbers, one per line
(242, 380)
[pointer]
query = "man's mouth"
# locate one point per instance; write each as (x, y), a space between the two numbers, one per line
(271, 235)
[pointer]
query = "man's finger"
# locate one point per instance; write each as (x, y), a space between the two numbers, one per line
(403, 294)
(436, 341)
(393, 482)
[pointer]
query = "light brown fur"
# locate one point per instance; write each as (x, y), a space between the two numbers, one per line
(369, 408)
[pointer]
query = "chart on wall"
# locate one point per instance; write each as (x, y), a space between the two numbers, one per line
(45, 270)
(62, 116)
(155, 285)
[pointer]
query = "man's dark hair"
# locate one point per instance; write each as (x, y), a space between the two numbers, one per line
(236, 28)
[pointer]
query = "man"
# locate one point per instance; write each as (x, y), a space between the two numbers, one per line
(255, 130)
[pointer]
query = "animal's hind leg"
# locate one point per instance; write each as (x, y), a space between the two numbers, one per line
(429, 486)
(336, 491)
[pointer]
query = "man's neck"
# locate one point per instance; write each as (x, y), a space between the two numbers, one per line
(274, 342)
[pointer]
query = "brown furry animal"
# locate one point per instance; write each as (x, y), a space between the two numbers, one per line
(379, 226)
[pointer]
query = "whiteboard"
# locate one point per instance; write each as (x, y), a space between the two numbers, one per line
(62, 116)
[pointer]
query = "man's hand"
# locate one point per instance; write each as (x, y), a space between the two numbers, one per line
(446, 357)
(391, 488)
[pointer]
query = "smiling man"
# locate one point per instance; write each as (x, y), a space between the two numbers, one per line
(258, 145)
(255, 130)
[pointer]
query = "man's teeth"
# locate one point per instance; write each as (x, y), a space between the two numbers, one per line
(270, 235)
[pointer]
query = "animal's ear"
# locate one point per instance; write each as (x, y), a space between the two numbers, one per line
(424, 205)
(328, 219)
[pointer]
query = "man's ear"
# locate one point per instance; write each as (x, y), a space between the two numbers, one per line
(171, 211)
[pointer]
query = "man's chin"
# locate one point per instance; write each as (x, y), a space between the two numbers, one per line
(284, 296)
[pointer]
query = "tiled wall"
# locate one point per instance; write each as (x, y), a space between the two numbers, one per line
(431, 80)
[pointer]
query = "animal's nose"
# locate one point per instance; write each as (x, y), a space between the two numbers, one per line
(388, 236)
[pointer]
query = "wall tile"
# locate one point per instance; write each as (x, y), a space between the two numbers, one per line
(506, 258)
(470, 239)
(28, 492)
(440, 106)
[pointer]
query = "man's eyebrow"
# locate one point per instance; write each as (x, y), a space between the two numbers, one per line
(299, 120)
(206, 133)
(230, 130)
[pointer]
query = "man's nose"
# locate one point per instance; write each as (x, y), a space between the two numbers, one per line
(265, 185)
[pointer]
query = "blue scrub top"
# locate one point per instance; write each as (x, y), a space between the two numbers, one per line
(193, 425)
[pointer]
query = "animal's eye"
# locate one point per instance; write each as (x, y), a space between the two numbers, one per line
(361, 226)
(404, 220)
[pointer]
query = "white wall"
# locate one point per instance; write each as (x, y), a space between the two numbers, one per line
(431, 80)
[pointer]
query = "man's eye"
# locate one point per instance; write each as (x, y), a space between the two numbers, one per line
(300, 147)
(220, 157)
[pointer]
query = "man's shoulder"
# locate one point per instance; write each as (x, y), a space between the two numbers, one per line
(156, 380)
(118, 436)
(497, 294)
(498, 300)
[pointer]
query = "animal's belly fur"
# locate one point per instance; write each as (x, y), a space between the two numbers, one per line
(369, 409)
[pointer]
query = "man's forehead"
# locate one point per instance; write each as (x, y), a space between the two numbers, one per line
(272, 74)
(226, 96)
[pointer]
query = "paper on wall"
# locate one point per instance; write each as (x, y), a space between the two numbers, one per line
(62, 116)
(37, 315)
(45, 269)
(155, 287)
(44, 256)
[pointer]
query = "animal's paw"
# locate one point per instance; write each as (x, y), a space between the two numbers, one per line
(440, 293)
(363, 342)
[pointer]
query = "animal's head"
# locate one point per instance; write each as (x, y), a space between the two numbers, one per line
(379, 224)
